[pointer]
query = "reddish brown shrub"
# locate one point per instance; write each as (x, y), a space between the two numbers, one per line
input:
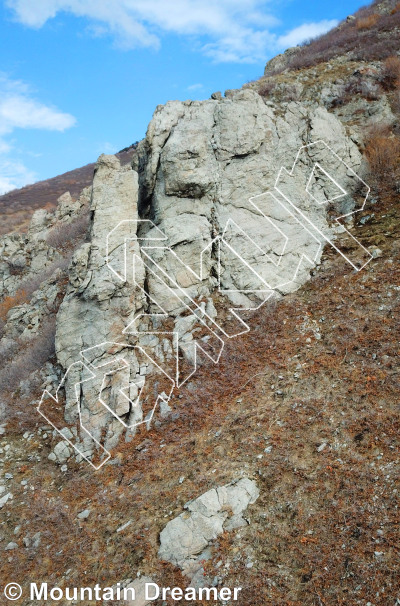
(30, 358)
(9, 302)
(367, 22)
(266, 88)
(390, 73)
(382, 150)
(66, 235)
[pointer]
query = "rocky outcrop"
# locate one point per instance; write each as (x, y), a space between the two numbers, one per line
(98, 306)
(349, 89)
(202, 162)
(27, 259)
(216, 219)
(33, 270)
(185, 539)
(280, 62)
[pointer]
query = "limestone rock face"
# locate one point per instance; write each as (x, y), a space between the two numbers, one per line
(198, 179)
(139, 587)
(226, 210)
(98, 305)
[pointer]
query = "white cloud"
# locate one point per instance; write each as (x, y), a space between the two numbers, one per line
(305, 32)
(195, 87)
(4, 147)
(14, 174)
(246, 46)
(19, 110)
(107, 148)
(237, 29)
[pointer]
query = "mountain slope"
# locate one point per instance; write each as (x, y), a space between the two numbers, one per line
(305, 403)
(17, 206)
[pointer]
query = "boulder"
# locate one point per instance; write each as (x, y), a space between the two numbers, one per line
(205, 518)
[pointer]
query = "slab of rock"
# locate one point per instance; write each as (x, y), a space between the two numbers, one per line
(205, 518)
(60, 453)
(83, 515)
(4, 499)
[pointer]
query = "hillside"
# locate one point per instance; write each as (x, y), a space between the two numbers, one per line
(17, 206)
(211, 336)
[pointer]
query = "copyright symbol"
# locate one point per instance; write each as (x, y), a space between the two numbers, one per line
(13, 591)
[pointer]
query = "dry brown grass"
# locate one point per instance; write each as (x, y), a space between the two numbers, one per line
(390, 73)
(65, 236)
(29, 358)
(342, 396)
(367, 22)
(20, 297)
(382, 151)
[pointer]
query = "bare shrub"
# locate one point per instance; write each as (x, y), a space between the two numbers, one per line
(369, 37)
(267, 88)
(290, 93)
(28, 287)
(325, 47)
(7, 350)
(367, 22)
(382, 150)
(66, 235)
(16, 267)
(389, 22)
(11, 301)
(355, 86)
(374, 48)
(30, 358)
(396, 102)
(390, 73)
(33, 283)
(365, 11)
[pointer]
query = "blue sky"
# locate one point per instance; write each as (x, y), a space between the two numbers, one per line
(82, 77)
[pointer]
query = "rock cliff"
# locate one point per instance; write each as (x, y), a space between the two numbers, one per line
(212, 227)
